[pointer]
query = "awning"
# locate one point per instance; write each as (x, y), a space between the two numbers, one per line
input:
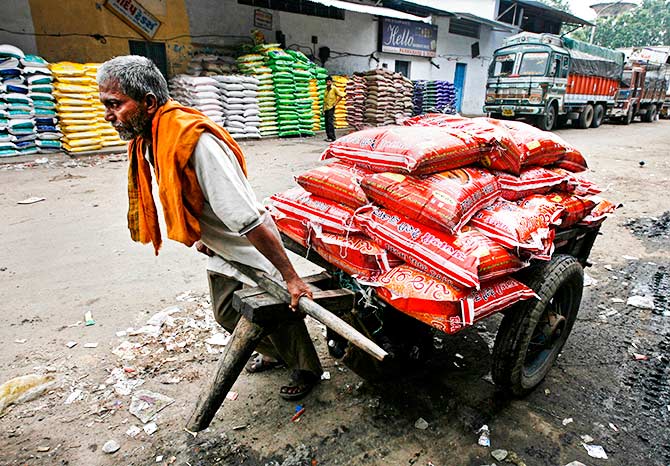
(437, 7)
(560, 15)
(372, 10)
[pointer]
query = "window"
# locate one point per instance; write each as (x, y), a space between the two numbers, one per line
(503, 65)
(402, 67)
(297, 6)
(565, 67)
(534, 64)
(464, 27)
(155, 51)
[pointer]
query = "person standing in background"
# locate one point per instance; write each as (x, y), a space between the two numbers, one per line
(330, 100)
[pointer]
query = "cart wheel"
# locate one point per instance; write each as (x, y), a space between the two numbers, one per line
(533, 332)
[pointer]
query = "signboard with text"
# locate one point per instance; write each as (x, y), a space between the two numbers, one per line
(135, 15)
(407, 37)
(262, 19)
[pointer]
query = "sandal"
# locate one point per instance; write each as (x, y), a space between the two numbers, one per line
(260, 364)
(301, 384)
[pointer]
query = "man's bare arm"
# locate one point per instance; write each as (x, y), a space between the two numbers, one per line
(268, 243)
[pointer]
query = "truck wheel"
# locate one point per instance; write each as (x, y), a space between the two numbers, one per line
(532, 333)
(547, 121)
(598, 115)
(586, 117)
(650, 115)
(628, 118)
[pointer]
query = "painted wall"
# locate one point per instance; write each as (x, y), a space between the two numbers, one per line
(89, 17)
(16, 17)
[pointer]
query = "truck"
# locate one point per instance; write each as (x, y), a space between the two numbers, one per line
(644, 85)
(546, 78)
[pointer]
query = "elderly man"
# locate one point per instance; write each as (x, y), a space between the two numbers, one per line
(201, 176)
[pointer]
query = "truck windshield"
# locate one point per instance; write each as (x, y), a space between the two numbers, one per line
(534, 64)
(503, 65)
(626, 78)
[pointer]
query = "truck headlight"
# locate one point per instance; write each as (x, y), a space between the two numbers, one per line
(535, 98)
(490, 98)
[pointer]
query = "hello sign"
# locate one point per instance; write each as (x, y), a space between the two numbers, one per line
(407, 37)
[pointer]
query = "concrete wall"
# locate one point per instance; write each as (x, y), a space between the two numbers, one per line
(90, 17)
(16, 17)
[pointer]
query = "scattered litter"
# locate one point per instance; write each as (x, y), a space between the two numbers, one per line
(640, 357)
(20, 341)
(121, 333)
(630, 258)
(611, 312)
(595, 451)
(499, 454)
(90, 345)
(23, 388)
(42, 161)
(613, 427)
(575, 463)
(421, 423)
(567, 421)
(133, 431)
(608, 267)
(513, 458)
(125, 350)
(88, 319)
(111, 446)
(325, 375)
(71, 344)
(299, 410)
(43, 449)
(547, 391)
(218, 339)
(484, 436)
(589, 280)
(161, 317)
(232, 396)
(150, 428)
(488, 378)
(587, 438)
(240, 427)
(146, 404)
(32, 200)
(641, 302)
(159, 458)
(618, 300)
(74, 396)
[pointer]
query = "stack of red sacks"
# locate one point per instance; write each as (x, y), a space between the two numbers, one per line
(437, 214)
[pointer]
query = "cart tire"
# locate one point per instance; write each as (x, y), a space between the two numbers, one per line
(558, 284)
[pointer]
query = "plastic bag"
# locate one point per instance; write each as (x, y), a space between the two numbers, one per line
(445, 200)
(410, 149)
(445, 305)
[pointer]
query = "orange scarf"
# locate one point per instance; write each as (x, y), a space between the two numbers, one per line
(175, 131)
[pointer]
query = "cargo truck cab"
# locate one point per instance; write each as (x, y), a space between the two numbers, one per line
(534, 77)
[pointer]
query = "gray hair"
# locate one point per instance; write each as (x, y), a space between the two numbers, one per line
(136, 77)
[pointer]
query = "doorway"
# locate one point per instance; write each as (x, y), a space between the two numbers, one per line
(155, 51)
(459, 84)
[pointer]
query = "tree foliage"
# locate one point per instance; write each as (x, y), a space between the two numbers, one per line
(648, 24)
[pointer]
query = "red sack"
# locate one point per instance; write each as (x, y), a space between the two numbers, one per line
(513, 226)
(494, 260)
(339, 182)
(405, 149)
(444, 200)
(575, 208)
(445, 305)
(298, 204)
(575, 184)
(599, 213)
(295, 229)
(540, 148)
(357, 256)
(432, 251)
(536, 180)
(499, 151)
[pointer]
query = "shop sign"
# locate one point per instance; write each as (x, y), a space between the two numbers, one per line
(407, 37)
(135, 15)
(262, 19)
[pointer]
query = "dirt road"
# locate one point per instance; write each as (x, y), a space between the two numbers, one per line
(71, 253)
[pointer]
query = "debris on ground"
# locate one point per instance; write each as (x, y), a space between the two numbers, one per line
(23, 388)
(421, 424)
(575, 463)
(595, 451)
(499, 454)
(641, 302)
(88, 319)
(32, 200)
(150, 428)
(513, 458)
(111, 446)
(567, 421)
(145, 405)
(484, 436)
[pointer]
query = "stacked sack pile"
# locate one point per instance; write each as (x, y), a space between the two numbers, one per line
(320, 74)
(302, 74)
(39, 80)
(199, 92)
(417, 97)
(340, 83)
(435, 95)
(254, 64)
(80, 113)
(356, 91)
(388, 98)
(240, 105)
(454, 204)
(281, 64)
(317, 104)
(17, 128)
(211, 65)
